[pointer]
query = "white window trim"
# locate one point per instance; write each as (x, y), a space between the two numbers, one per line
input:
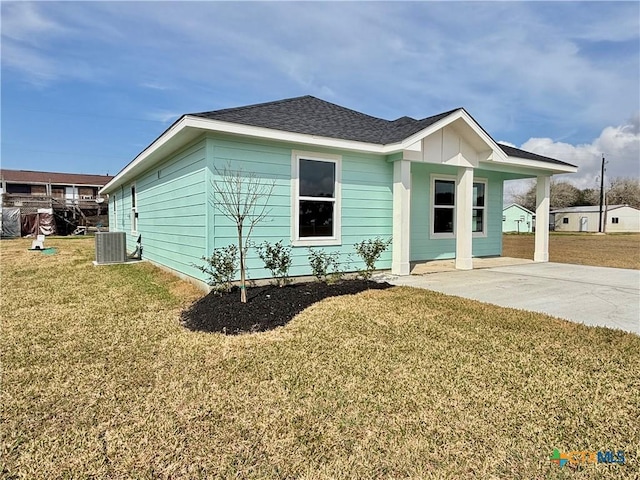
(134, 210)
(432, 206)
(432, 195)
(296, 241)
(485, 219)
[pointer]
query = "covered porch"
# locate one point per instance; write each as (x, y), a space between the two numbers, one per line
(445, 189)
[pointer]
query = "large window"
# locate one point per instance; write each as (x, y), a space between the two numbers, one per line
(444, 208)
(316, 199)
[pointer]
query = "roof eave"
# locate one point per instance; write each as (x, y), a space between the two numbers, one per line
(141, 160)
(554, 168)
(146, 158)
(196, 125)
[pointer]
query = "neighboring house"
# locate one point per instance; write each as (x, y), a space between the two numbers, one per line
(616, 218)
(434, 185)
(516, 218)
(69, 197)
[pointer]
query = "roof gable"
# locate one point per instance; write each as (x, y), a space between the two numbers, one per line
(520, 207)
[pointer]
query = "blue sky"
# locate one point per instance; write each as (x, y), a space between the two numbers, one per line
(87, 85)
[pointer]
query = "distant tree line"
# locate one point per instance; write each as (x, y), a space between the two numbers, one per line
(619, 191)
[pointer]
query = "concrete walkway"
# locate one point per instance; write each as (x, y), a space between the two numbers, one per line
(595, 296)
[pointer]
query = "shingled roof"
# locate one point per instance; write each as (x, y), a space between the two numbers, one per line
(313, 116)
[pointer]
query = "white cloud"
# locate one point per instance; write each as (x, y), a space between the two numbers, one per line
(620, 146)
(163, 116)
(155, 86)
(413, 58)
(29, 36)
(21, 21)
(518, 70)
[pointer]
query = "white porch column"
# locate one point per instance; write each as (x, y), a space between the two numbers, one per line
(464, 216)
(543, 188)
(401, 217)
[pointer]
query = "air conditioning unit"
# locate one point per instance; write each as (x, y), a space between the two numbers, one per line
(111, 247)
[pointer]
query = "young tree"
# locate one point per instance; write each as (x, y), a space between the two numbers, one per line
(242, 197)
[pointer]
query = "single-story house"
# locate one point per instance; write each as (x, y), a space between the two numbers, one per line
(615, 218)
(516, 218)
(433, 185)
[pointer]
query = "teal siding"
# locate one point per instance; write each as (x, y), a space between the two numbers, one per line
(366, 200)
(119, 209)
(422, 247)
(179, 221)
(172, 212)
(517, 220)
(425, 248)
(124, 210)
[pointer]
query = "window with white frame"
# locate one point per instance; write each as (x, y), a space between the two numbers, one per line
(444, 207)
(134, 209)
(316, 199)
(615, 219)
(479, 206)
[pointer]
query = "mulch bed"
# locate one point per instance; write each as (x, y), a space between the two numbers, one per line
(267, 307)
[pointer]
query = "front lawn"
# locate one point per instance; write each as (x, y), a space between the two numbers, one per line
(611, 250)
(100, 380)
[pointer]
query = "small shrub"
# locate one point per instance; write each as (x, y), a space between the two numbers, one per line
(370, 251)
(325, 266)
(221, 267)
(277, 259)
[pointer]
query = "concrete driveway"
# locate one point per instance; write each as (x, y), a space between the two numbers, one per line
(596, 296)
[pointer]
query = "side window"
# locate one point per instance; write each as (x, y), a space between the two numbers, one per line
(615, 219)
(316, 199)
(565, 220)
(115, 211)
(134, 209)
(479, 207)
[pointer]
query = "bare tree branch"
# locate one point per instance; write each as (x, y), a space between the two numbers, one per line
(242, 197)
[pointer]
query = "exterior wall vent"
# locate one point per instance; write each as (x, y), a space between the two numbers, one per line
(111, 247)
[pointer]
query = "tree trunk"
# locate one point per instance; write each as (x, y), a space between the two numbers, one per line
(243, 287)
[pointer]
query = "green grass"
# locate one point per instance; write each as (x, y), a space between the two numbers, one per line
(99, 380)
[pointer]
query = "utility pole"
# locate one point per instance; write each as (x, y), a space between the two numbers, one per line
(601, 195)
